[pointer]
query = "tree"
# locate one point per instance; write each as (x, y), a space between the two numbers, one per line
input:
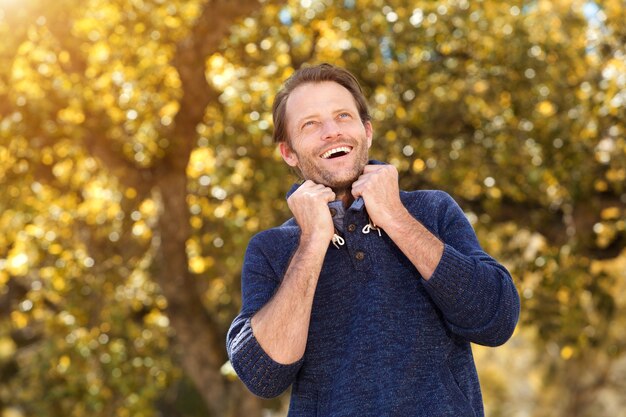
(99, 117)
(136, 162)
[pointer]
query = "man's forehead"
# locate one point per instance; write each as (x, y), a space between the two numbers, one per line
(319, 96)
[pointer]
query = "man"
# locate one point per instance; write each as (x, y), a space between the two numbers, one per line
(366, 301)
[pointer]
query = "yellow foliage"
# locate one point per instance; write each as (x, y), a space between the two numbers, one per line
(169, 110)
(611, 213)
(418, 165)
(17, 262)
(19, 319)
(567, 352)
(71, 115)
(197, 265)
(148, 208)
(7, 348)
(481, 86)
(391, 135)
(58, 283)
(64, 364)
(156, 318)
(546, 108)
(460, 92)
(12, 412)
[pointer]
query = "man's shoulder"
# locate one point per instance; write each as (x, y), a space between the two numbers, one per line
(277, 237)
(426, 199)
(274, 247)
(435, 209)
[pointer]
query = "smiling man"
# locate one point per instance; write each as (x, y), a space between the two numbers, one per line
(367, 301)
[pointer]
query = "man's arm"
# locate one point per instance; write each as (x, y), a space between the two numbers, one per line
(378, 186)
(475, 293)
(269, 335)
(423, 249)
(282, 325)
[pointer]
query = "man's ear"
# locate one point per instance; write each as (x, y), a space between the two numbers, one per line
(369, 133)
(288, 154)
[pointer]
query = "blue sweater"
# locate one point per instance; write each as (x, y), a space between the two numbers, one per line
(382, 340)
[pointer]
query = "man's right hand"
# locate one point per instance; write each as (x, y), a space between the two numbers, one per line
(282, 325)
(309, 205)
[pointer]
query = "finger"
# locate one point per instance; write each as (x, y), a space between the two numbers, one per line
(363, 182)
(312, 184)
(310, 188)
(357, 189)
(372, 168)
(309, 185)
(362, 178)
(321, 188)
(322, 192)
(329, 196)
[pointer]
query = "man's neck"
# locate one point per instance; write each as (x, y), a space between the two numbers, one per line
(345, 195)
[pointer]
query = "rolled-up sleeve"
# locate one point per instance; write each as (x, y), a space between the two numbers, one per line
(475, 293)
(262, 375)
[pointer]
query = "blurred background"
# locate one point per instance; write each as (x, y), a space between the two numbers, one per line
(136, 162)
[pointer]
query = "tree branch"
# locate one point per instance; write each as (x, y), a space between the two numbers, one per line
(298, 62)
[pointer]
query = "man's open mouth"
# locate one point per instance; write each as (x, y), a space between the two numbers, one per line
(336, 152)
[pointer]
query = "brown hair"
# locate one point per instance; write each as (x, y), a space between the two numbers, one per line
(315, 74)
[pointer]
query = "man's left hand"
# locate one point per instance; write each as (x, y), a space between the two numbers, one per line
(378, 186)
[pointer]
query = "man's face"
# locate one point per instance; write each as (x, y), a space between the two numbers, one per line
(327, 142)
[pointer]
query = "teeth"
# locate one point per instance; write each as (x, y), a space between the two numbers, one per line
(333, 151)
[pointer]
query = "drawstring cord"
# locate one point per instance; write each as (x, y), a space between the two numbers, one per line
(371, 226)
(339, 241)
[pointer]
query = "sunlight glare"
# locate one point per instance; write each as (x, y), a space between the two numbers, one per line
(7, 3)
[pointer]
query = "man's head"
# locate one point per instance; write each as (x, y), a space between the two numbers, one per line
(315, 74)
(322, 125)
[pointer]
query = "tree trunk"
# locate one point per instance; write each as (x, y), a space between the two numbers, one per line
(197, 335)
(198, 338)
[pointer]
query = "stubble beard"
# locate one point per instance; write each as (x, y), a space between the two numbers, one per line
(341, 185)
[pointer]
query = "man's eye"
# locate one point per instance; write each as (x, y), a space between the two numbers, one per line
(308, 124)
(344, 115)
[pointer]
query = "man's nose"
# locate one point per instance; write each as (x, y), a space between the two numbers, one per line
(330, 130)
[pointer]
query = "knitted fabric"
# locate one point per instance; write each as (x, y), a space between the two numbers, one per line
(382, 340)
